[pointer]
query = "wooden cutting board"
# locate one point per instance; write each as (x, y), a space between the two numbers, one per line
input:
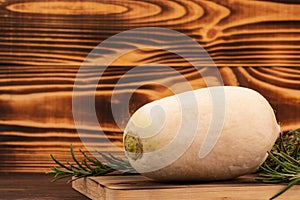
(136, 187)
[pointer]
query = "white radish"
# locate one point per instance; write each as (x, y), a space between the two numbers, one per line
(212, 133)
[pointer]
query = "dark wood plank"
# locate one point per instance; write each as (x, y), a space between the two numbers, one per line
(15, 186)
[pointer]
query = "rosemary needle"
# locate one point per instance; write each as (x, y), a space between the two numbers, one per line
(88, 167)
(283, 162)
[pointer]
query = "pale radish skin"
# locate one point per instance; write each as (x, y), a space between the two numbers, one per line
(248, 130)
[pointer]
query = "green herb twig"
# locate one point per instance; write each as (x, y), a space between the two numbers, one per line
(283, 162)
(89, 166)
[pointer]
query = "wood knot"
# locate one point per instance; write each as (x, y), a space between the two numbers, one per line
(211, 33)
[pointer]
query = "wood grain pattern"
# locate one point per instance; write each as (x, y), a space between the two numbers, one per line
(43, 43)
(138, 187)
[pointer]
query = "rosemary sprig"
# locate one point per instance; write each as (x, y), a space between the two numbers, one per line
(89, 166)
(283, 162)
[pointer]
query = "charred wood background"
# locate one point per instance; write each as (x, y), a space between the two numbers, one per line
(255, 44)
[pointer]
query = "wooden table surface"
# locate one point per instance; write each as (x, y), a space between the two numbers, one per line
(35, 186)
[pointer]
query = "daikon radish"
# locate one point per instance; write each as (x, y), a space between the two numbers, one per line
(214, 133)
